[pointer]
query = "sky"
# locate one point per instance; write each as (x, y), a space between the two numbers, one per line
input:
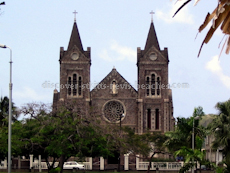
(35, 31)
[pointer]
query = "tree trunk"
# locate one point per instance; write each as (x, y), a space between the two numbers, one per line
(150, 160)
(50, 167)
(62, 160)
(53, 163)
(48, 164)
(119, 163)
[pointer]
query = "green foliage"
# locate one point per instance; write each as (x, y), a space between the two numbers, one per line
(55, 170)
(4, 111)
(134, 142)
(197, 155)
(4, 114)
(219, 170)
(182, 136)
(61, 133)
(3, 142)
(220, 129)
(186, 167)
(146, 143)
(198, 112)
(180, 141)
(199, 142)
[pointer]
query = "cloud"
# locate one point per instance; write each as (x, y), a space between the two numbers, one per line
(118, 53)
(184, 16)
(214, 66)
(29, 94)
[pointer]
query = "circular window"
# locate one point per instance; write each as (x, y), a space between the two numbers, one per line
(75, 56)
(114, 111)
(153, 56)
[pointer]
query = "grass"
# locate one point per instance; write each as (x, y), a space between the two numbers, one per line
(88, 171)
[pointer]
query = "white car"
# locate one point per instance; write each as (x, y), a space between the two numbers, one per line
(73, 165)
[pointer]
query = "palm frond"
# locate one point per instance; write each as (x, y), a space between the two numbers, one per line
(220, 16)
(181, 7)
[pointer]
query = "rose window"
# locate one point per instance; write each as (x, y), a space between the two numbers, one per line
(114, 111)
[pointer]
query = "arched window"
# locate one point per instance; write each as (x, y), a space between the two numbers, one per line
(74, 84)
(69, 86)
(153, 84)
(149, 118)
(79, 86)
(147, 86)
(158, 85)
(157, 118)
(114, 88)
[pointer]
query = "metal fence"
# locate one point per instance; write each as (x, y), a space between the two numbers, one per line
(160, 165)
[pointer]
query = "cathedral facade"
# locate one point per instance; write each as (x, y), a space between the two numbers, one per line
(149, 107)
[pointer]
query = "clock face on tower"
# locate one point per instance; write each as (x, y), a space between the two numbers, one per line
(153, 56)
(75, 56)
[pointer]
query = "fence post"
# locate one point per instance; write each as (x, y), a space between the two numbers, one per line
(102, 163)
(39, 163)
(126, 162)
(90, 163)
(5, 163)
(137, 162)
(19, 162)
(31, 160)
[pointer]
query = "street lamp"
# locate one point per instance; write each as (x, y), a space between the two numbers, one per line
(10, 109)
(119, 160)
(193, 140)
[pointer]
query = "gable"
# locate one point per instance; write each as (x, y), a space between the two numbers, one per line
(68, 55)
(161, 55)
(113, 86)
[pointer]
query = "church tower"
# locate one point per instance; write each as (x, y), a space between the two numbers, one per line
(75, 70)
(154, 98)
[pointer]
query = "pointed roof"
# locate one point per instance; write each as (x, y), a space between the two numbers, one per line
(112, 74)
(75, 38)
(152, 38)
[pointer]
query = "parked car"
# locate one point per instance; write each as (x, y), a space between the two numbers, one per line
(73, 165)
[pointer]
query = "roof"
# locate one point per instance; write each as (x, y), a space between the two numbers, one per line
(113, 73)
(152, 38)
(75, 38)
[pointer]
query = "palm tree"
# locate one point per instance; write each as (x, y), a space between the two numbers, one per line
(220, 128)
(197, 155)
(182, 136)
(219, 17)
(180, 140)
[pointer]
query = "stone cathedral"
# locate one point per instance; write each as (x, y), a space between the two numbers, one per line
(149, 107)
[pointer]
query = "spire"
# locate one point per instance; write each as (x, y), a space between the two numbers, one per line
(75, 37)
(152, 13)
(152, 38)
(74, 15)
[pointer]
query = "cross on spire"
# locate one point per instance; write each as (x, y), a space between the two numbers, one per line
(152, 15)
(74, 15)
